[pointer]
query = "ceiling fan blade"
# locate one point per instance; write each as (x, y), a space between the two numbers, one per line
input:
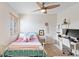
(36, 10)
(52, 6)
(43, 3)
(39, 4)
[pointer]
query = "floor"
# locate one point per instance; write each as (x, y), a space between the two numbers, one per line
(52, 50)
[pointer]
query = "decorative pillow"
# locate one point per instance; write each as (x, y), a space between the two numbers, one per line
(28, 38)
(22, 37)
(19, 40)
(33, 36)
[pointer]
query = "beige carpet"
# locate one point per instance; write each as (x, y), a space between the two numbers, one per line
(52, 50)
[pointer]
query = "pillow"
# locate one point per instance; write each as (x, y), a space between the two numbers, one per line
(19, 40)
(31, 33)
(22, 37)
(32, 36)
(28, 38)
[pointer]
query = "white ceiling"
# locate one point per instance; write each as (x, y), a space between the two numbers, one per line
(29, 7)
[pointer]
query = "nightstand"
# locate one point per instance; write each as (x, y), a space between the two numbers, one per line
(42, 39)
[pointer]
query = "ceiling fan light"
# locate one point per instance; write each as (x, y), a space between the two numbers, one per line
(43, 10)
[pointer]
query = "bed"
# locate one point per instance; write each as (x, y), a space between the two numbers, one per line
(21, 48)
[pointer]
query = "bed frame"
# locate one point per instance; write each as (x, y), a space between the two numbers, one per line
(24, 53)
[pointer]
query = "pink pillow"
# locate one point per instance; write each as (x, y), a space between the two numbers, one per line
(21, 40)
(28, 39)
(33, 37)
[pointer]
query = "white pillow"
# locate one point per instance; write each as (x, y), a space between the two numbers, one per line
(22, 35)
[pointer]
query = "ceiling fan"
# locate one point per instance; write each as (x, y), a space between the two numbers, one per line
(44, 8)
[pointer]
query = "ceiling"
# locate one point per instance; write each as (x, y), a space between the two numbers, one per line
(29, 7)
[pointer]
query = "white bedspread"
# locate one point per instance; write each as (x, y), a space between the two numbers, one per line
(34, 45)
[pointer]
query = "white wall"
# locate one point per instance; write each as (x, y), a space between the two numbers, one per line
(72, 16)
(34, 22)
(5, 18)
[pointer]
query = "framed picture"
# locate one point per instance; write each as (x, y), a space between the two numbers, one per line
(41, 32)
